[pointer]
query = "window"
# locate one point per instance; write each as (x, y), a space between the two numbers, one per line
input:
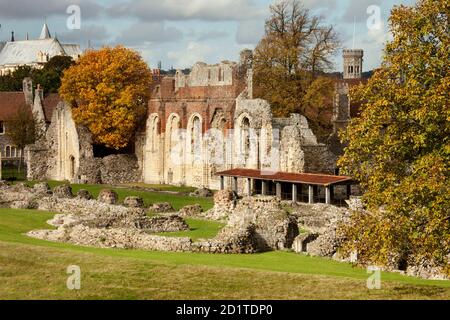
(7, 151)
(2, 127)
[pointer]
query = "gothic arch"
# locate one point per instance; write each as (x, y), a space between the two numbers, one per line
(153, 131)
(174, 154)
(194, 139)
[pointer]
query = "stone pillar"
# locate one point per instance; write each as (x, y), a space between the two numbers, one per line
(222, 183)
(294, 193)
(311, 194)
(235, 184)
(278, 190)
(264, 188)
(327, 195)
(249, 187)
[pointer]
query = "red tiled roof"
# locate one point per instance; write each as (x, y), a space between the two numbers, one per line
(49, 104)
(10, 102)
(304, 178)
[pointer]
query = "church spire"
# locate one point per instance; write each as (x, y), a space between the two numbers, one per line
(45, 33)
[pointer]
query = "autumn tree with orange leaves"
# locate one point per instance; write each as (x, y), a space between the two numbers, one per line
(108, 90)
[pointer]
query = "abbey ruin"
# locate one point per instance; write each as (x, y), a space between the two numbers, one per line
(198, 124)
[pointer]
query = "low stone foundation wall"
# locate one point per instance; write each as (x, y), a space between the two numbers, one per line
(121, 238)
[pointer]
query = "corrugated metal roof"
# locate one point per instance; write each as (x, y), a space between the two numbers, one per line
(303, 178)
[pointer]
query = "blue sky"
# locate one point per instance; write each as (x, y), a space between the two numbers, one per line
(181, 32)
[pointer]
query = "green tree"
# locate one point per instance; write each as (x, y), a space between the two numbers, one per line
(21, 129)
(399, 149)
(13, 81)
(49, 77)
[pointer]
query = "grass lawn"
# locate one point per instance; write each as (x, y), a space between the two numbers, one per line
(199, 229)
(178, 201)
(13, 173)
(36, 269)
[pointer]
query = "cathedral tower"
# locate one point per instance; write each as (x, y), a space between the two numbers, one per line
(353, 63)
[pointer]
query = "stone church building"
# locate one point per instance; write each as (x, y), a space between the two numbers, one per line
(198, 124)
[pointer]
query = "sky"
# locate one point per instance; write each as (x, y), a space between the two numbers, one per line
(180, 33)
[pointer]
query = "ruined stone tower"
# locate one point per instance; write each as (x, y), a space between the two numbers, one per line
(353, 63)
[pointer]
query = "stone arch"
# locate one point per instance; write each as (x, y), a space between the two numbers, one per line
(246, 140)
(71, 166)
(194, 139)
(174, 155)
(243, 127)
(153, 130)
(216, 147)
(153, 151)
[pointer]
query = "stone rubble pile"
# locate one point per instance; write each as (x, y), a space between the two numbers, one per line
(202, 193)
(163, 207)
(195, 210)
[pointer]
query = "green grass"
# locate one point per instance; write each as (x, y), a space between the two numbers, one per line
(160, 187)
(13, 173)
(199, 229)
(177, 201)
(134, 274)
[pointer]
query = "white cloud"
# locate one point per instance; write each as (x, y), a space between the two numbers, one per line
(209, 35)
(208, 10)
(194, 52)
(87, 33)
(26, 9)
(146, 32)
(250, 32)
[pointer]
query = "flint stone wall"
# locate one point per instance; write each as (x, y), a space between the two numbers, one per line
(121, 238)
(96, 214)
(112, 169)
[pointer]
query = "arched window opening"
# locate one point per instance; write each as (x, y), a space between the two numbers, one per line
(72, 167)
(196, 138)
(154, 134)
(245, 137)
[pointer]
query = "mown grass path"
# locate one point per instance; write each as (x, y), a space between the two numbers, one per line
(31, 268)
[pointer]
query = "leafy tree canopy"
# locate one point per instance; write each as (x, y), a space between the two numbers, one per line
(49, 77)
(399, 149)
(108, 90)
(290, 61)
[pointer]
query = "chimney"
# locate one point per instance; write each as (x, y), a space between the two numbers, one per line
(27, 85)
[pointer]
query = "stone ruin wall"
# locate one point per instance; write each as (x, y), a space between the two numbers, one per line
(179, 145)
(65, 152)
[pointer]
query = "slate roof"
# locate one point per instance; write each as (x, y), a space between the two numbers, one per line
(26, 52)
